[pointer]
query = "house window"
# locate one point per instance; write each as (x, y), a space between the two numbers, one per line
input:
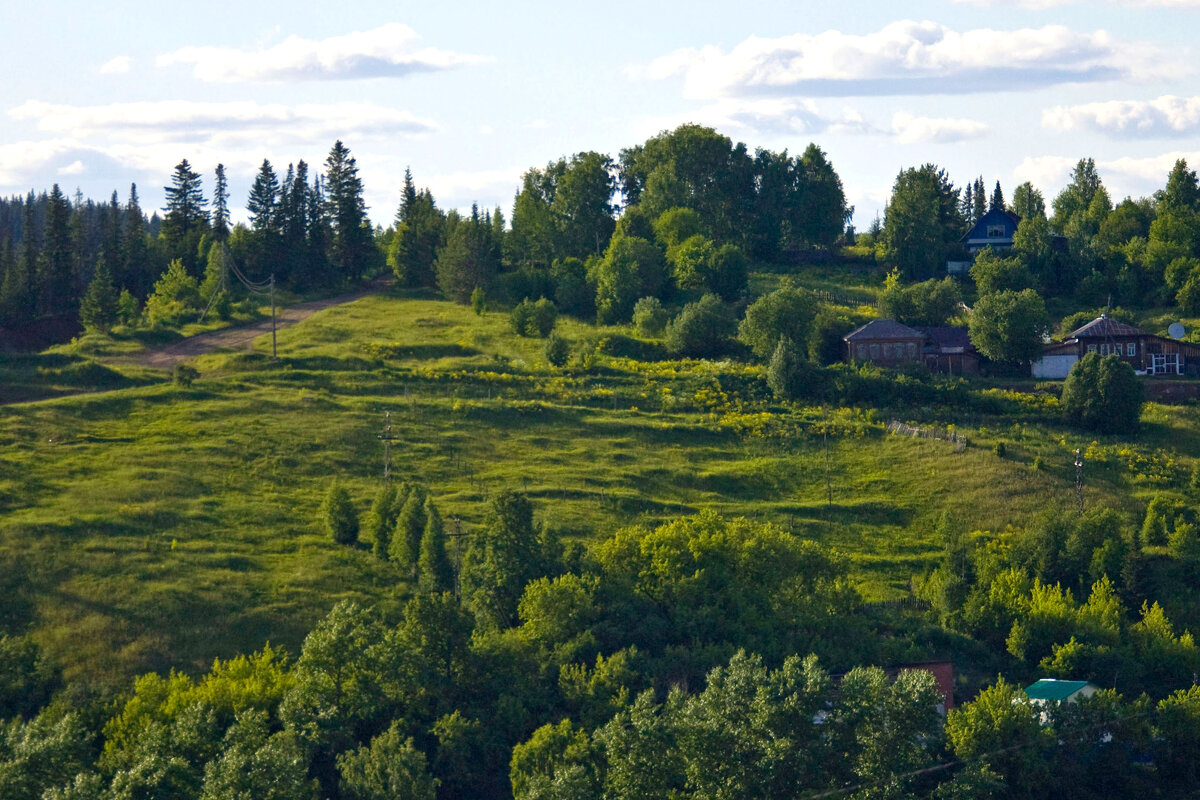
(1131, 349)
(1091, 348)
(862, 352)
(912, 349)
(996, 232)
(874, 352)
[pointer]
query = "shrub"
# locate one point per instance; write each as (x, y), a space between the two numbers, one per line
(790, 375)
(176, 294)
(701, 329)
(184, 375)
(478, 301)
(649, 316)
(1000, 449)
(521, 317)
(558, 350)
(1102, 394)
(129, 310)
(543, 318)
(825, 337)
(337, 512)
(785, 313)
(728, 272)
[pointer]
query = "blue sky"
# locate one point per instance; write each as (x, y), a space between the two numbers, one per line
(471, 94)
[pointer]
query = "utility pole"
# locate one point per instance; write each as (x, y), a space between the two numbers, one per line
(1079, 481)
(387, 438)
(274, 353)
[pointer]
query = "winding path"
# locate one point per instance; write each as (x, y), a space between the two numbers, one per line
(242, 337)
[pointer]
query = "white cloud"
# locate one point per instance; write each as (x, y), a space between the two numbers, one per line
(1124, 176)
(116, 66)
(187, 121)
(906, 57)
(1164, 116)
(769, 117)
(943, 130)
(388, 51)
(74, 168)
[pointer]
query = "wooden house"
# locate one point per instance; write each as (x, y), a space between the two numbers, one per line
(1147, 353)
(948, 350)
(995, 229)
(884, 342)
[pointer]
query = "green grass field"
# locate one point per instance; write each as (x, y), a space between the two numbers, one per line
(150, 526)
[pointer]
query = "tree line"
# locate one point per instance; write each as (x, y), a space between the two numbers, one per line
(699, 658)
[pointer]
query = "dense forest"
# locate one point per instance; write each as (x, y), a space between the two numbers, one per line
(704, 656)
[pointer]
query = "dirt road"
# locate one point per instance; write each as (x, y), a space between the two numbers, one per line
(240, 338)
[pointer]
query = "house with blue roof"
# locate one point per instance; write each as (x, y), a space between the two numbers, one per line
(995, 229)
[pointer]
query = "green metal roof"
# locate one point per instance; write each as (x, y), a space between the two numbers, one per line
(1051, 689)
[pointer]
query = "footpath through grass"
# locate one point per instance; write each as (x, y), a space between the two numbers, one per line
(154, 526)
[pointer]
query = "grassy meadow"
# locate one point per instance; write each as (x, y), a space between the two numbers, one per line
(148, 525)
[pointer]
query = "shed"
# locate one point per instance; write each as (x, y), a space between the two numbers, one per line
(1052, 690)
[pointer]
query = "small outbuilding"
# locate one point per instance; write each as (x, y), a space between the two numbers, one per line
(1052, 690)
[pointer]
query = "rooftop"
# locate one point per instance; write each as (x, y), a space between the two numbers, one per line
(1052, 689)
(882, 329)
(1103, 327)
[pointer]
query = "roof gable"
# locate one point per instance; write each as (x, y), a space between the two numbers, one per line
(878, 329)
(1103, 326)
(994, 216)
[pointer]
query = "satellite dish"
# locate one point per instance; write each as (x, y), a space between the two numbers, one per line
(1176, 330)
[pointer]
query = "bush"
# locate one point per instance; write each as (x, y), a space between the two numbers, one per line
(337, 512)
(478, 301)
(558, 350)
(701, 329)
(521, 318)
(649, 316)
(826, 343)
(184, 375)
(129, 310)
(544, 317)
(1102, 394)
(785, 313)
(728, 272)
(790, 375)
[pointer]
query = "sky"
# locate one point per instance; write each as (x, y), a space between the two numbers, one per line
(469, 95)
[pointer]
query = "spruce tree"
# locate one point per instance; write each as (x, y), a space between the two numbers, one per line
(405, 547)
(435, 573)
(980, 198)
(186, 219)
(138, 274)
(54, 266)
(337, 512)
(352, 245)
(220, 210)
(98, 308)
(263, 204)
(381, 519)
(997, 198)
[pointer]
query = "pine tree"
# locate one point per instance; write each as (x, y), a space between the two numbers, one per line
(381, 519)
(350, 251)
(220, 211)
(337, 512)
(110, 238)
(98, 308)
(997, 198)
(435, 572)
(135, 248)
(186, 219)
(263, 204)
(54, 268)
(980, 199)
(30, 255)
(405, 547)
